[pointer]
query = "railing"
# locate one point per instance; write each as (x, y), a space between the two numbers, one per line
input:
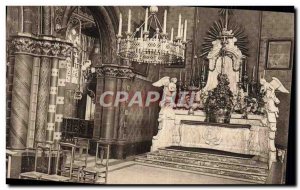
(74, 127)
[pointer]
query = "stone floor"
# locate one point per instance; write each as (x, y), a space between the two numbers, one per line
(132, 173)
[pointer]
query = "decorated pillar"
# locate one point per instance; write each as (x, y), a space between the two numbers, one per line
(21, 92)
(60, 99)
(110, 79)
(98, 107)
(9, 85)
(125, 76)
(51, 118)
(33, 102)
(21, 85)
(108, 112)
(44, 78)
(43, 99)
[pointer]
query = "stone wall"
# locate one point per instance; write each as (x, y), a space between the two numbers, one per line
(276, 25)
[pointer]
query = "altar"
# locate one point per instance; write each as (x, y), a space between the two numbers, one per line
(250, 136)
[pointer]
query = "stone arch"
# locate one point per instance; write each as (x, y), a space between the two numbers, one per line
(106, 20)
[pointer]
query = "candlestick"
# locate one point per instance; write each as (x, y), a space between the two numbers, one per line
(180, 75)
(264, 74)
(165, 22)
(120, 25)
(179, 25)
(129, 21)
(146, 21)
(185, 30)
(172, 33)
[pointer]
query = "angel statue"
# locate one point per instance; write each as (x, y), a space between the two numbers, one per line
(167, 102)
(269, 88)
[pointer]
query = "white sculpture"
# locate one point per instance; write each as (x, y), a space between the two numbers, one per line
(167, 104)
(231, 64)
(270, 98)
(169, 92)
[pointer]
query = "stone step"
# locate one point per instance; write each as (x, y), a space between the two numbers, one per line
(222, 172)
(212, 157)
(209, 163)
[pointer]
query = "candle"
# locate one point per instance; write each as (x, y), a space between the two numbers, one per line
(120, 25)
(226, 18)
(129, 21)
(179, 25)
(180, 75)
(245, 66)
(204, 66)
(200, 70)
(141, 33)
(253, 72)
(146, 21)
(165, 22)
(181, 31)
(185, 76)
(241, 72)
(185, 29)
(264, 74)
(172, 33)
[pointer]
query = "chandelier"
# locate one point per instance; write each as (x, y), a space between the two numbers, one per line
(154, 47)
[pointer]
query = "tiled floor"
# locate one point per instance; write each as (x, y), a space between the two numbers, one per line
(141, 174)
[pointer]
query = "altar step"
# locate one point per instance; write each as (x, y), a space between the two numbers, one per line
(237, 167)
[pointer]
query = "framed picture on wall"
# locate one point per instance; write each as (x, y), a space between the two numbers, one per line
(279, 54)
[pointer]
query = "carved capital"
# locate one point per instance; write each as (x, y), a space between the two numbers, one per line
(114, 71)
(41, 46)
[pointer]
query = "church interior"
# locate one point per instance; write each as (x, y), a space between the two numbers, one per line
(192, 95)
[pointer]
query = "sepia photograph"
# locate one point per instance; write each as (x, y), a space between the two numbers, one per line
(150, 95)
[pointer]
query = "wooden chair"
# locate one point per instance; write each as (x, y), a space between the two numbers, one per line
(100, 170)
(64, 175)
(80, 159)
(39, 147)
(9, 155)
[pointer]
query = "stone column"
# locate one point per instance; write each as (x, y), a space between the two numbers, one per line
(33, 102)
(108, 113)
(44, 78)
(20, 94)
(27, 23)
(9, 85)
(43, 99)
(125, 76)
(52, 101)
(60, 99)
(46, 20)
(21, 89)
(106, 126)
(98, 107)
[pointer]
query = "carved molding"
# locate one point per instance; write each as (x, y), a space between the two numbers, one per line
(114, 71)
(41, 46)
